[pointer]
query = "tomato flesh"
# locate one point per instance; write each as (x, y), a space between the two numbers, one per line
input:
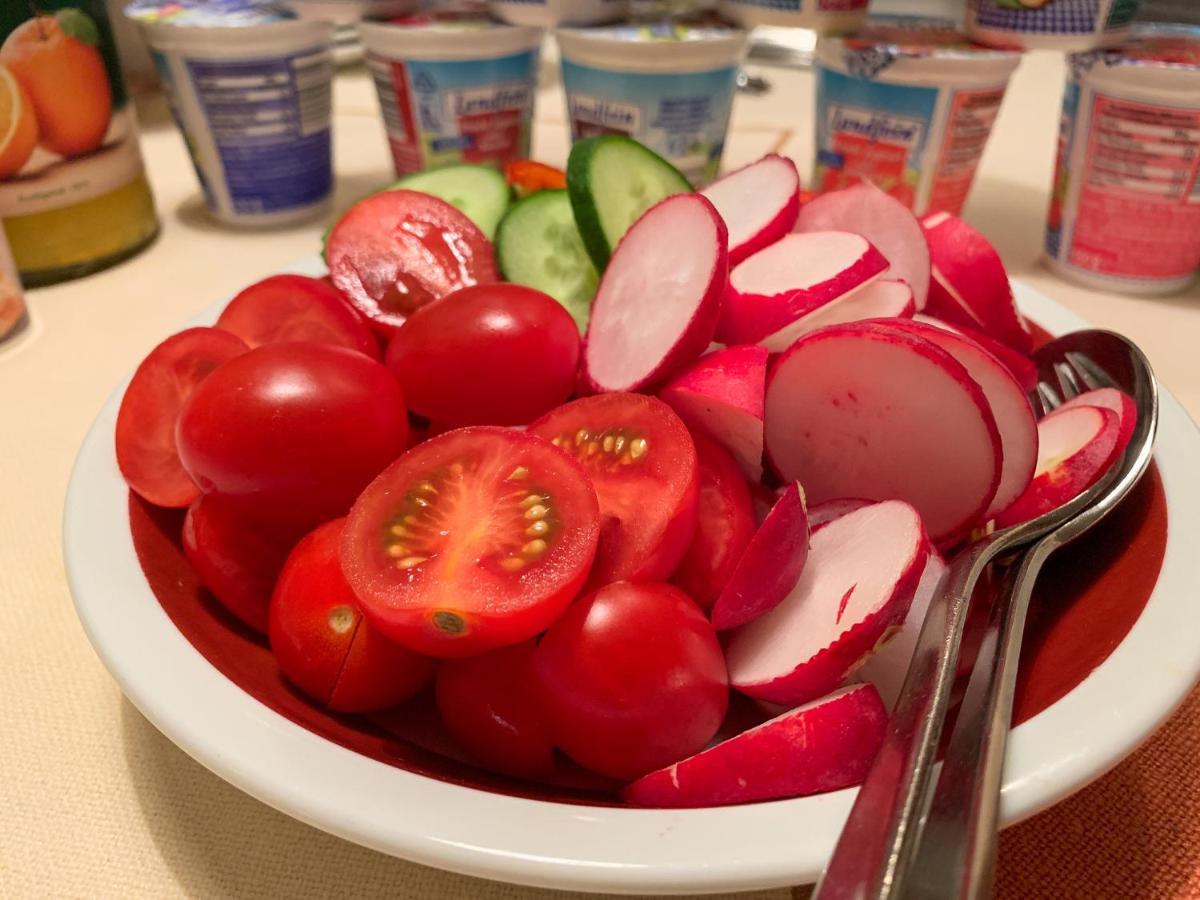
(642, 462)
(491, 705)
(496, 354)
(725, 523)
(396, 251)
(478, 538)
(632, 679)
(296, 308)
(147, 454)
(322, 642)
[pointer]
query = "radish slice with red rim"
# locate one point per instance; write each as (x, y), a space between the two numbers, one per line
(1019, 364)
(758, 202)
(657, 305)
(876, 300)
(822, 514)
(857, 584)
(1117, 401)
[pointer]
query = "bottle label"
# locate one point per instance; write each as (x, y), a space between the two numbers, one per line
(1055, 17)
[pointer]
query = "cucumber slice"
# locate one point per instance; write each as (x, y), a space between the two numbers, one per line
(479, 191)
(538, 245)
(612, 180)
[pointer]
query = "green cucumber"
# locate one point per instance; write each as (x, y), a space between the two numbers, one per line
(612, 180)
(538, 245)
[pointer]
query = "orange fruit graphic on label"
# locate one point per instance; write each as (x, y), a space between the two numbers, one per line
(18, 127)
(66, 81)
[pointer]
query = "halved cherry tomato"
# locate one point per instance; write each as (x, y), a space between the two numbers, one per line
(528, 177)
(322, 642)
(492, 354)
(296, 308)
(475, 539)
(396, 251)
(724, 525)
(632, 679)
(237, 560)
(146, 451)
(490, 703)
(642, 462)
(292, 432)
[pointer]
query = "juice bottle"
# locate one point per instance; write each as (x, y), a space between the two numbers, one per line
(73, 191)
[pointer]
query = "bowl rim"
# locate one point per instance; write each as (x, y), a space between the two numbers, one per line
(571, 846)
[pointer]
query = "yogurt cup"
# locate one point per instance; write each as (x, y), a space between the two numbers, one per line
(669, 86)
(908, 104)
(453, 89)
(823, 16)
(349, 12)
(1049, 24)
(548, 13)
(250, 88)
(1125, 207)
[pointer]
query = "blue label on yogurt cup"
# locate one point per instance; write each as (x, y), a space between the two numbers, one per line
(1055, 17)
(682, 117)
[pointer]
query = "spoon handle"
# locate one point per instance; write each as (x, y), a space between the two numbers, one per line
(877, 845)
(958, 850)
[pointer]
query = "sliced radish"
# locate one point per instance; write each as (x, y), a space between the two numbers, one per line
(1110, 398)
(657, 305)
(822, 746)
(887, 667)
(858, 583)
(1009, 404)
(1075, 447)
(721, 395)
(866, 410)
(770, 566)
(789, 279)
(822, 514)
(884, 221)
(758, 202)
(970, 286)
(1020, 365)
(877, 300)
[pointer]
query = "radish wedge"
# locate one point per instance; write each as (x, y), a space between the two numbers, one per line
(1075, 447)
(887, 667)
(758, 202)
(822, 746)
(1110, 398)
(657, 305)
(796, 275)
(1009, 404)
(721, 396)
(884, 221)
(859, 580)
(865, 410)
(769, 566)
(822, 514)
(1020, 365)
(970, 286)
(877, 300)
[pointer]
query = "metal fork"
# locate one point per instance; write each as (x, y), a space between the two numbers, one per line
(876, 852)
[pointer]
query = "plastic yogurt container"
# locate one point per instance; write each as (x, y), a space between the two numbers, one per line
(250, 89)
(908, 104)
(823, 16)
(669, 86)
(349, 12)
(1125, 208)
(548, 13)
(1050, 24)
(453, 89)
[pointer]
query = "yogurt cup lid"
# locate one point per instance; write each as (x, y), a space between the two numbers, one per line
(207, 13)
(1160, 46)
(915, 37)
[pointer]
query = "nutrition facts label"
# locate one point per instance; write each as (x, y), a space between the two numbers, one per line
(1139, 202)
(972, 114)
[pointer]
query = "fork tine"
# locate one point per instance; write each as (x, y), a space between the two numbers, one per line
(1047, 399)
(1088, 372)
(1067, 380)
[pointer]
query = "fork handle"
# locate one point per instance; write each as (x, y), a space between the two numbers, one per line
(879, 840)
(957, 855)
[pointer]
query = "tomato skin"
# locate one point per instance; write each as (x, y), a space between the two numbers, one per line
(322, 642)
(648, 504)
(296, 308)
(395, 251)
(237, 560)
(633, 679)
(725, 523)
(490, 703)
(447, 561)
(292, 432)
(145, 434)
(496, 354)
